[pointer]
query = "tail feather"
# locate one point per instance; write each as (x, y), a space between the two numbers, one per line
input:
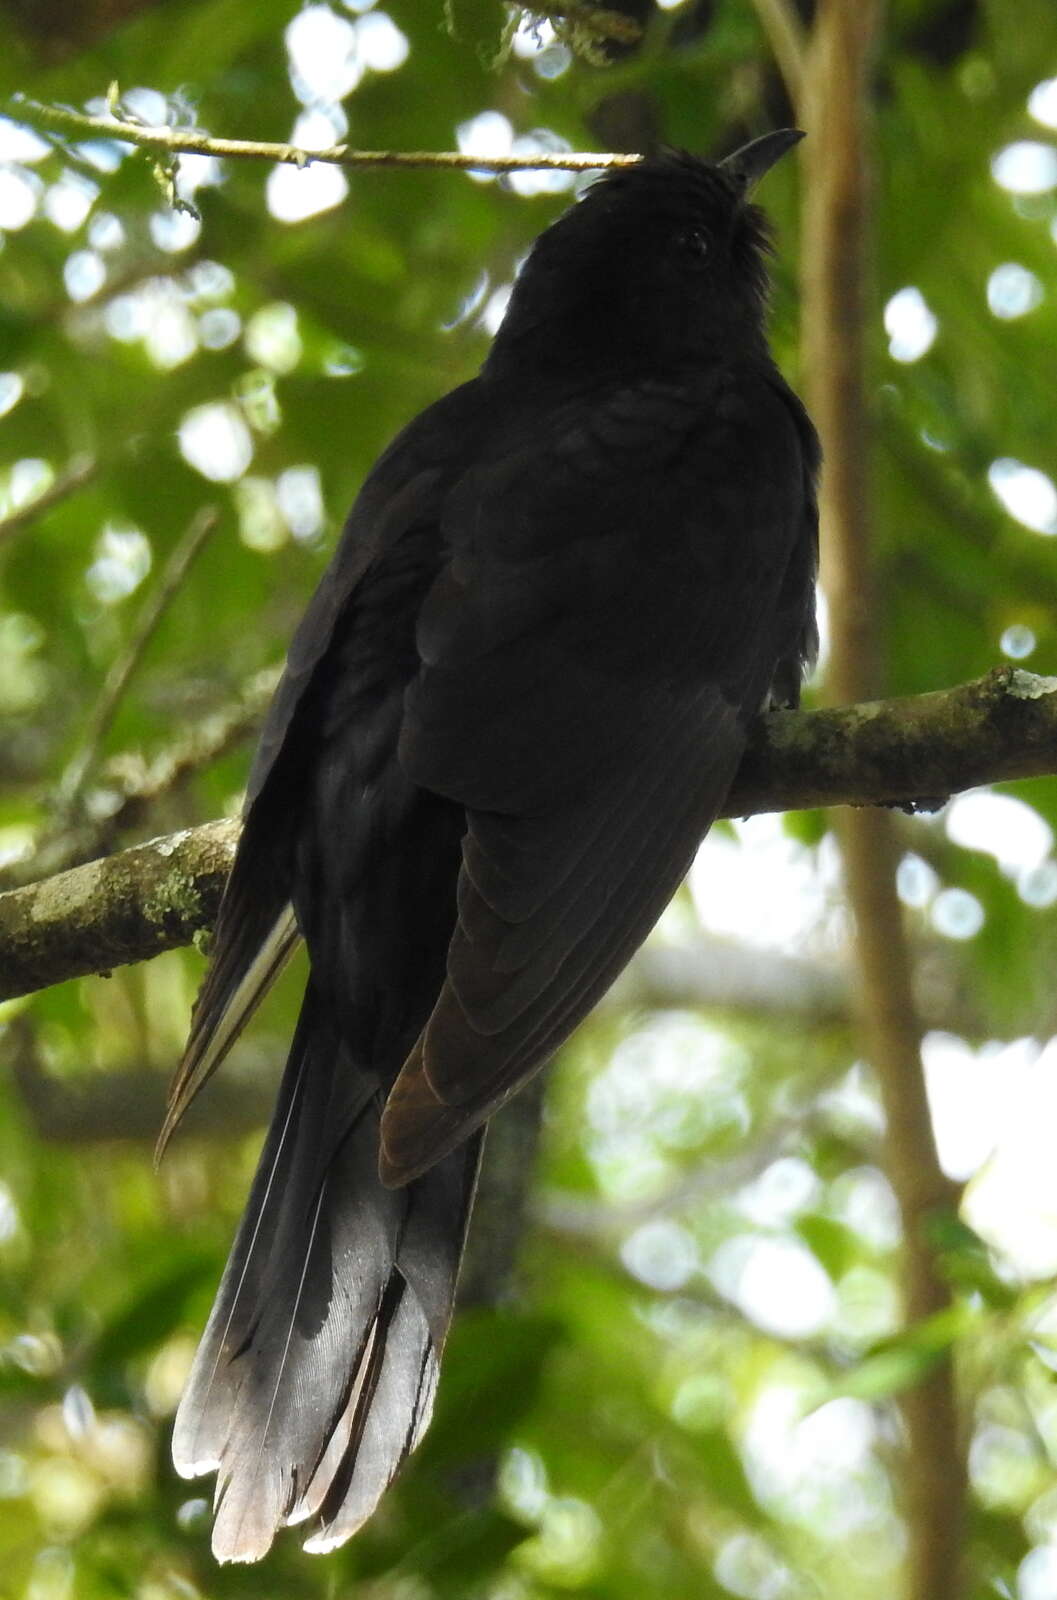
(203, 1420)
(316, 1372)
(389, 1426)
(238, 981)
(343, 1435)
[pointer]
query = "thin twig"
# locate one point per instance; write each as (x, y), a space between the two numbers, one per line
(131, 276)
(70, 158)
(812, 994)
(190, 141)
(212, 738)
(126, 1105)
(568, 1212)
(787, 38)
(71, 785)
(135, 786)
(80, 471)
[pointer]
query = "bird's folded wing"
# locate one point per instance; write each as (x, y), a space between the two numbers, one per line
(585, 695)
(405, 487)
(256, 928)
(550, 910)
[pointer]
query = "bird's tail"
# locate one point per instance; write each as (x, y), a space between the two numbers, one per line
(316, 1373)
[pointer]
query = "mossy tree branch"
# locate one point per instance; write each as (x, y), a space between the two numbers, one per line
(913, 751)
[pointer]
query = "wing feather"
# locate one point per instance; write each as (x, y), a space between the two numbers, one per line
(516, 989)
(257, 931)
(591, 664)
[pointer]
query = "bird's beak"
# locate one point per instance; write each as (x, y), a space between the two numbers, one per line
(748, 165)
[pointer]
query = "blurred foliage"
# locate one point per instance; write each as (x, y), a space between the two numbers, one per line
(690, 1393)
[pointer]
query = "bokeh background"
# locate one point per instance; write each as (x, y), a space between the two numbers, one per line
(683, 1370)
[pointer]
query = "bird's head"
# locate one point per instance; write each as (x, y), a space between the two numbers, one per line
(658, 264)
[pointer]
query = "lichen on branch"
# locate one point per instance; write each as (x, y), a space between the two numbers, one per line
(912, 751)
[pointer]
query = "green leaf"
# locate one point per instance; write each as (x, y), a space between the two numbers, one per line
(152, 1313)
(834, 1246)
(900, 1362)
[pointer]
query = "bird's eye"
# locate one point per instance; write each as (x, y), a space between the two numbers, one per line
(693, 245)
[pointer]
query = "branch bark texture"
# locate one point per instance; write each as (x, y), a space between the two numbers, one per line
(157, 896)
(107, 913)
(835, 298)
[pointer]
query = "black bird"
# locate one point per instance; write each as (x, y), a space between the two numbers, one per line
(512, 710)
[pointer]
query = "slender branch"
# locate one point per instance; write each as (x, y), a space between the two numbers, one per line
(70, 158)
(714, 973)
(711, 973)
(569, 1212)
(190, 545)
(135, 786)
(933, 1478)
(159, 895)
(787, 38)
(214, 737)
(190, 141)
(126, 1106)
(130, 277)
(80, 471)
